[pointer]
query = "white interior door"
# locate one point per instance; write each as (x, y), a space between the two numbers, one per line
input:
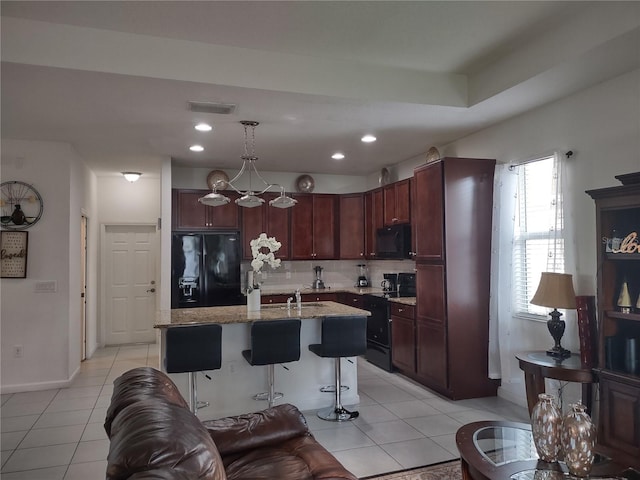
(130, 282)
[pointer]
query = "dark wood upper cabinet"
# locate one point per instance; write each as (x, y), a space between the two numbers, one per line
(428, 213)
(314, 227)
(352, 226)
(276, 224)
(397, 200)
(190, 214)
(374, 219)
(252, 226)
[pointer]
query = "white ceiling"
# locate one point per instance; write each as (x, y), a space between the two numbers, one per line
(114, 78)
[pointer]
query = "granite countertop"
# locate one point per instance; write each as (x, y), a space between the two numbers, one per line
(239, 313)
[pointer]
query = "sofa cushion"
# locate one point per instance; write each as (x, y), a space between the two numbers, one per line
(139, 384)
(252, 430)
(154, 435)
(300, 458)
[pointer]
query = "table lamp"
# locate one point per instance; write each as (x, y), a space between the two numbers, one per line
(555, 290)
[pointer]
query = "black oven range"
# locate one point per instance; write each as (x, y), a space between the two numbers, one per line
(379, 323)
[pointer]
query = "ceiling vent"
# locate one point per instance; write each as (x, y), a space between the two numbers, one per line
(212, 107)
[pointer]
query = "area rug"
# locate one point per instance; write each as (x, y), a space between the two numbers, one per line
(439, 471)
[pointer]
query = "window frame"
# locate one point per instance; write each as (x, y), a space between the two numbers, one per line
(521, 280)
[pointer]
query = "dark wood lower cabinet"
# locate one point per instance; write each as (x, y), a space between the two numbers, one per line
(431, 353)
(619, 429)
(403, 351)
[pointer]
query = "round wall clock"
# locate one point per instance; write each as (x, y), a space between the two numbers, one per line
(20, 205)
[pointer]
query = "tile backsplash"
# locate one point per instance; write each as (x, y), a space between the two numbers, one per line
(336, 273)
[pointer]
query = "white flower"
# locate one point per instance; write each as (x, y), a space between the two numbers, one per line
(260, 258)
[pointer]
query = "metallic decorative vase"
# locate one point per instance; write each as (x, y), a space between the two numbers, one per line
(546, 423)
(578, 440)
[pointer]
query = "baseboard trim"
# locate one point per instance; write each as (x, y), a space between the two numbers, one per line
(33, 387)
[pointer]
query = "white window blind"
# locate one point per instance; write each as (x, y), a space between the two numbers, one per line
(539, 232)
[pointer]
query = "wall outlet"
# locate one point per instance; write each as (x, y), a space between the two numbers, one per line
(17, 351)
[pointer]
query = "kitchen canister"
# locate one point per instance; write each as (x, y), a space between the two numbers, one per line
(546, 424)
(578, 440)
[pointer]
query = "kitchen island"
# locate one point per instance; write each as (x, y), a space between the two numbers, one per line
(231, 388)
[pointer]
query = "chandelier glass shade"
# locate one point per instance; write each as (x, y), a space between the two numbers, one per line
(248, 198)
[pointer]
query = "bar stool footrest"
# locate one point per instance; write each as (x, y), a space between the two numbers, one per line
(333, 414)
(332, 388)
(265, 396)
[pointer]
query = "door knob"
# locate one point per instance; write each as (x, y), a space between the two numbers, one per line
(151, 290)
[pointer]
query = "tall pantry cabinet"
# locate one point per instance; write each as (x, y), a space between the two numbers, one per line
(453, 211)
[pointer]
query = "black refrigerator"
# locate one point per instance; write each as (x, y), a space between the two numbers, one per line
(205, 269)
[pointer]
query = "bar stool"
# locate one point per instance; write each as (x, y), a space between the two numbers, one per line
(191, 349)
(273, 341)
(341, 337)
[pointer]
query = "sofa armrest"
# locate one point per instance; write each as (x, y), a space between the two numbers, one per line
(254, 430)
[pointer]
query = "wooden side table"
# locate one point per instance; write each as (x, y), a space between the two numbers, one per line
(538, 365)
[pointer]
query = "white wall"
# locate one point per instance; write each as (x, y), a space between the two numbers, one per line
(601, 125)
(120, 201)
(197, 178)
(45, 324)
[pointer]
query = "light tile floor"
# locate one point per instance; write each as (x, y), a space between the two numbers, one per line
(58, 434)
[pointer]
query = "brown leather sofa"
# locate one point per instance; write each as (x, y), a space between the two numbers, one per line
(153, 435)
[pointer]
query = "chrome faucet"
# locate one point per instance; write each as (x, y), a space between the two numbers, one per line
(289, 300)
(298, 299)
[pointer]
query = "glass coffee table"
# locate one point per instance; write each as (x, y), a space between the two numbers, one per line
(494, 450)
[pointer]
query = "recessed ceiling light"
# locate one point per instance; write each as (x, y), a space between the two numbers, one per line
(203, 127)
(337, 156)
(368, 138)
(196, 148)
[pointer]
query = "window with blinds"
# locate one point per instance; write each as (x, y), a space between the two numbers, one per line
(539, 232)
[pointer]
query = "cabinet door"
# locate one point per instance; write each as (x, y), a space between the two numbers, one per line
(277, 225)
(302, 228)
(352, 223)
(189, 213)
(429, 208)
(403, 201)
(403, 344)
(431, 353)
(252, 227)
(389, 192)
(325, 227)
(226, 216)
(620, 422)
(430, 290)
(374, 212)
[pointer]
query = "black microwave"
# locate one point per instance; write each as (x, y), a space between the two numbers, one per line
(393, 242)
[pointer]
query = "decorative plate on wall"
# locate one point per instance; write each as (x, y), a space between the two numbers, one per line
(21, 205)
(305, 183)
(215, 176)
(433, 155)
(384, 177)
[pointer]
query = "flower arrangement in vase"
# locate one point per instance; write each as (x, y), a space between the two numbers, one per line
(259, 246)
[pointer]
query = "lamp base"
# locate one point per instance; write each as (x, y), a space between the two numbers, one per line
(559, 353)
(556, 329)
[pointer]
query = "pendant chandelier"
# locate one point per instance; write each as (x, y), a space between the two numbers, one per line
(248, 198)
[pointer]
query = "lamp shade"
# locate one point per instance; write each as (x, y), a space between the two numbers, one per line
(555, 290)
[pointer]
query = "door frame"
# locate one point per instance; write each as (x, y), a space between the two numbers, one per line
(84, 280)
(103, 276)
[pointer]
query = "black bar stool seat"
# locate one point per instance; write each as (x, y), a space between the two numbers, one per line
(273, 341)
(191, 349)
(341, 337)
